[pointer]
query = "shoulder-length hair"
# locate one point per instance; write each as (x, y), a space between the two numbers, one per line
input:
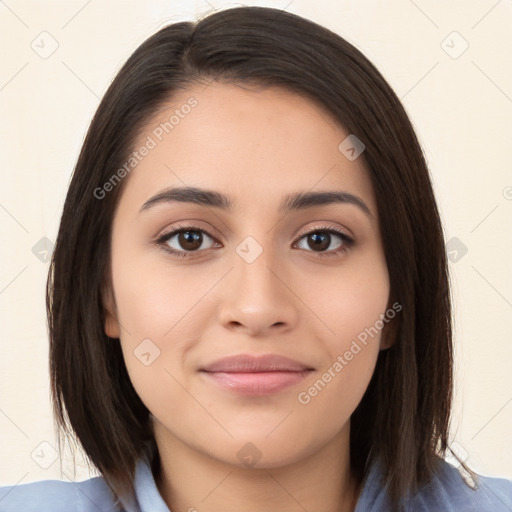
(403, 418)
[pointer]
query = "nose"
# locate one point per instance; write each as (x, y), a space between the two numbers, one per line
(258, 298)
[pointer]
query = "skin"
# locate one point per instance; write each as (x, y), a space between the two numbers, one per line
(255, 146)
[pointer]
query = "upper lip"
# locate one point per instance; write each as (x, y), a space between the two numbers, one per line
(253, 364)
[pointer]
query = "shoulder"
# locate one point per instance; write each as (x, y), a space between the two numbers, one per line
(449, 492)
(446, 492)
(91, 495)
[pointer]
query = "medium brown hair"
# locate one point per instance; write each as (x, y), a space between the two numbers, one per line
(403, 418)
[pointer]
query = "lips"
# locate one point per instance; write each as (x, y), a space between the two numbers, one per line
(256, 375)
(253, 364)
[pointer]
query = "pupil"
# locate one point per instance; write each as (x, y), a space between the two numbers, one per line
(320, 241)
(190, 240)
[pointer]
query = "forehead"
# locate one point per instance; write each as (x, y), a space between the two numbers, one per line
(254, 145)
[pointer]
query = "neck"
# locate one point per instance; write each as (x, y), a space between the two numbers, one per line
(191, 481)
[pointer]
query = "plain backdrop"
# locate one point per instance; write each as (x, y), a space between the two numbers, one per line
(449, 62)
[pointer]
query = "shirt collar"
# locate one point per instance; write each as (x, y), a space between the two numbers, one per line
(147, 495)
(373, 496)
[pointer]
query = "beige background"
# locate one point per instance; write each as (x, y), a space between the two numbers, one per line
(461, 106)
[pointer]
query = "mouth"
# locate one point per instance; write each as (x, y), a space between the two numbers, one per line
(250, 375)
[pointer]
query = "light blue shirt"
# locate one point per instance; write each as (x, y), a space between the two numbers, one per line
(446, 493)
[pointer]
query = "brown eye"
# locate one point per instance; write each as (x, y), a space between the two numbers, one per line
(190, 240)
(321, 239)
(185, 240)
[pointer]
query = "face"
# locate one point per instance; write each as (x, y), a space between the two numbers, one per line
(293, 292)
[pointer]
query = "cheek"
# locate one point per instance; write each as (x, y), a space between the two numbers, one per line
(154, 300)
(351, 306)
(348, 302)
(161, 313)
(351, 353)
(334, 394)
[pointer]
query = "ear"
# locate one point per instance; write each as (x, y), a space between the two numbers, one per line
(111, 325)
(390, 331)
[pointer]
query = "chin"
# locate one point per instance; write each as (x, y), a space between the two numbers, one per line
(259, 452)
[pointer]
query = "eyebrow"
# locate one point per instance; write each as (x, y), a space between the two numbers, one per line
(291, 202)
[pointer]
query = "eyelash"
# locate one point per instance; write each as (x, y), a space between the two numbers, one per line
(163, 239)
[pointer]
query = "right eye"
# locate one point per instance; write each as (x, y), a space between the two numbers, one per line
(184, 240)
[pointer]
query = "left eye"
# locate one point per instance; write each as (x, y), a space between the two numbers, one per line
(320, 240)
(184, 241)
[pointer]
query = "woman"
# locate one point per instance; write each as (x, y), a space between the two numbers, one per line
(248, 300)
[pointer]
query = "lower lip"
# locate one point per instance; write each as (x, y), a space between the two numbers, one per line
(256, 383)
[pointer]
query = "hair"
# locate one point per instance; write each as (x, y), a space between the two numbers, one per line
(402, 420)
